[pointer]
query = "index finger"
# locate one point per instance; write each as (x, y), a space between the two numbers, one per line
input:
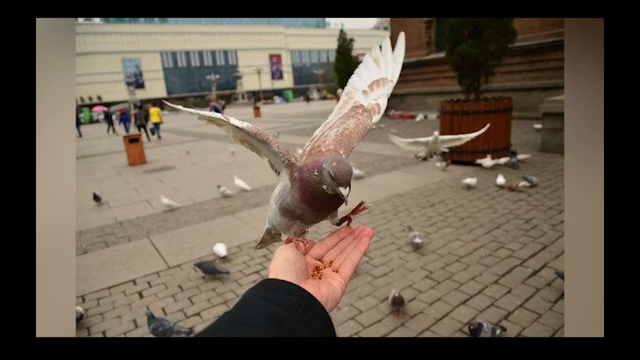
(323, 246)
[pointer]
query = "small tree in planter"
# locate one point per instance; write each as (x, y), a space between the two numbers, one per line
(474, 48)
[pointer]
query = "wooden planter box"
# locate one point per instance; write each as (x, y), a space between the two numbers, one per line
(468, 116)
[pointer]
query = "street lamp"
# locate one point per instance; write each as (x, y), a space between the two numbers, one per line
(214, 80)
(259, 72)
(319, 72)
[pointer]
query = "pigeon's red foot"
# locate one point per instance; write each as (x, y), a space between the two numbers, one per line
(302, 248)
(361, 207)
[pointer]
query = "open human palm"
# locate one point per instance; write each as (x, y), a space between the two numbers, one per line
(335, 258)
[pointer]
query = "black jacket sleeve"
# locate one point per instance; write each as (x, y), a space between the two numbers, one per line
(273, 308)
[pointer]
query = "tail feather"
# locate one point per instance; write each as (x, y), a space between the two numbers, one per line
(269, 237)
(179, 330)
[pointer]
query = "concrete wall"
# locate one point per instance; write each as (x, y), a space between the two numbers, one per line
(101, 47)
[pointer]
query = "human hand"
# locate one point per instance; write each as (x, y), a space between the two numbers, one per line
(343, 249)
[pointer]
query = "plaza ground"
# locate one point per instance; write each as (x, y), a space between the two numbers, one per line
(489, 253)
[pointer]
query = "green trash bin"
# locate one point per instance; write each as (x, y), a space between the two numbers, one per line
(288, 94)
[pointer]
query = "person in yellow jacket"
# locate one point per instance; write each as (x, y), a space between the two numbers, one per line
(155, 116)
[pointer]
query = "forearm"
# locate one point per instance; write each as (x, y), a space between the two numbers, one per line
(273, 308)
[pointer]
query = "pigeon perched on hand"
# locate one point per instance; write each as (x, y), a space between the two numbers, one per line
(168, 203)
(241, 184)
(436, 144)
(161, 327)
(415, 237)
(312, 187)
(224, 192)
(397, 302)
(97, 199)
(483, 328)
(210, 268)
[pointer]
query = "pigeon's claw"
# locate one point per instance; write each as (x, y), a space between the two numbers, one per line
(361, 207)
(302, 248)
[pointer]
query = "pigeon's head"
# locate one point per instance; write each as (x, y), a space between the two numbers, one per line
(475, 328)
(149, 314)
(336, 176)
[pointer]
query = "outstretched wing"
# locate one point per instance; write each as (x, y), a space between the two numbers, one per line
(361, 104)
(448, 141)
(415, 144)
(252, 137)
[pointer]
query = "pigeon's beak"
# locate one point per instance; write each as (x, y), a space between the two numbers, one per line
(345, 191)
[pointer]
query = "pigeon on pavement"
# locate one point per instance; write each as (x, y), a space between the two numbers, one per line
(312, 187)
(220, 249)
(241, 184)
(397, 302)
(224, 192)
(168, 203)
(483, 328)
(415, 237)
(210, 268)
(161, 327)
(97, 199)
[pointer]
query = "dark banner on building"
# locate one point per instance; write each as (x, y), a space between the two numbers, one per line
(276, 66)
(133, 73)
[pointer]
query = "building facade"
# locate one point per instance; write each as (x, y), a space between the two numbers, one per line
(532, 71)
(174, 60)
(286, 22)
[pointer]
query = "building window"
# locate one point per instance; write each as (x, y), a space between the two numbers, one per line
(305, 57)
(195, 58)
(323, 56)
(441, 27)
(219, 58)
(314, 56)
(296, 56)
(167, 60)
(182, 59)
(206, 56)
(332, 55)
(233, 57)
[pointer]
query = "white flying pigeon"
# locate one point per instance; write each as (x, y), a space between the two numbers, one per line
(501, 181)
(220, 249)
(224, 192)
(241, 184)
(168, 203)
(419, 118)
(435, 144)
(312, 187)
(470, 182)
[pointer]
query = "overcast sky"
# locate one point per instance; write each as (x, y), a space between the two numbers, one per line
(355, 23)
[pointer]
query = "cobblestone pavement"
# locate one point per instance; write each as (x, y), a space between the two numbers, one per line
(490, 253)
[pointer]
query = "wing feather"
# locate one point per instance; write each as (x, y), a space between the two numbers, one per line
(250, 136)
(362, 103)
(448, 141)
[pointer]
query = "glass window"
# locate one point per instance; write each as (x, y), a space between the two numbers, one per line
(219, 58)
(305, 56)
(195, 58)
(332, 55)
(314, 56)
(207, 58)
